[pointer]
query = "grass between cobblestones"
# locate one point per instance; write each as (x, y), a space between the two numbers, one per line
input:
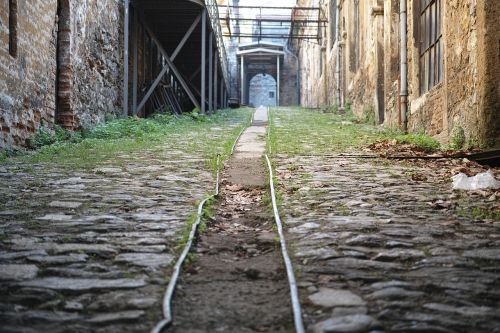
(188, 133)
(312, 132)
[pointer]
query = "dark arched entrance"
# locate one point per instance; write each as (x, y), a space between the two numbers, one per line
(262, 90)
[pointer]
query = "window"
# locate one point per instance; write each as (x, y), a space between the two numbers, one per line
(431, 50)
(271, 94)
(13, 28)
(333, 22)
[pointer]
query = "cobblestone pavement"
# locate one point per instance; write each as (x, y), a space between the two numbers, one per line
(89, 250)
(377, 251)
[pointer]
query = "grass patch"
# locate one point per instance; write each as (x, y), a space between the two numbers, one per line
(421, 141)
(304, 131)
(190, 132)
(480, 213)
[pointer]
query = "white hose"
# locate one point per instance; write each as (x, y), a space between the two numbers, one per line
(169, 293)
(297, 313)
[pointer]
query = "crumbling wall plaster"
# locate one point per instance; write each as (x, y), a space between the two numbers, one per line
(28, 82)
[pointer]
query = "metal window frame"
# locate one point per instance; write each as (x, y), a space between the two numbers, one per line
(425, 69)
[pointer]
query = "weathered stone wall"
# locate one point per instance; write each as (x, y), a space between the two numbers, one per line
(488, 128)
(391, 63)
(90, 79)
(312, 84)
(97, 50)
(360, 71)
(288, 81)
(467, 97)
(27, 81)
(360, 80)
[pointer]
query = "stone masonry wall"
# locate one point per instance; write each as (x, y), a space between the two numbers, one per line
(391, 63)
(27, 81)
(467, 97)
(97, 52)
(288, 81)
(361, 81)
(318, 59)
(90, 73)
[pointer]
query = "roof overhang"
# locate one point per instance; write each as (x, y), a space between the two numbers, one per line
(260, 51)
(252, 44)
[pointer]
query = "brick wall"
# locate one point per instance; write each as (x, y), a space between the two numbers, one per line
(27, 81)
(89, 82)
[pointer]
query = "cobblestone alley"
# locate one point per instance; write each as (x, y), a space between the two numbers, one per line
(89, 248)
(249, 166)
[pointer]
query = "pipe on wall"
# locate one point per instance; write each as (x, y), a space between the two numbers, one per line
(338, 54)
(126, 5)
(403, 95)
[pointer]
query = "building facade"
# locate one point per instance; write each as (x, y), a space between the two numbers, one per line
(73, 63)
(262, 69)
(453, 61)
(60, 63)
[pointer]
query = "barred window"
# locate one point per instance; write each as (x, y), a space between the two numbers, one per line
(431, 49)
(355, 39)
(333, 22)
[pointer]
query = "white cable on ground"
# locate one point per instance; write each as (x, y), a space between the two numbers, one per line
(167, 299)
(169, 293)
(269, 130)
(297, 313)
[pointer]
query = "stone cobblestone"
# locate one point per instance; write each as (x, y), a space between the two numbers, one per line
(89, 249)
(363, 228)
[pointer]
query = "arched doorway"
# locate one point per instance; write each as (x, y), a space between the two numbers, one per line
(262, 90)
(64, 78)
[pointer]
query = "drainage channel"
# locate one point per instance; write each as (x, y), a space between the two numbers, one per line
(241, 279)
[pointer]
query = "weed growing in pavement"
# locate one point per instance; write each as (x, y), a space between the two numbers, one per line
(304, 131)
(185, 235)
(419, 141)
(480, 213)
(46, 136)
(368, 116)
(7, 153)
(106, 141)
(457, 140)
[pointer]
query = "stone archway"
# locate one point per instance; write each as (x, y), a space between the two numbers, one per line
(262, 90)
(64, 79)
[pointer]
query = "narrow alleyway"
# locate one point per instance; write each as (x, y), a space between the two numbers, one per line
(237, 282)
(377, 248)
(246, 166)
(377, 245)
(87, 246)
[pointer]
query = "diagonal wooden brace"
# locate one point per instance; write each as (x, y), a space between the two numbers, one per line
(170, 65)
